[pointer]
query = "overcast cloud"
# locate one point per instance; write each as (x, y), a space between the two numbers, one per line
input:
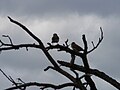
(70, 19)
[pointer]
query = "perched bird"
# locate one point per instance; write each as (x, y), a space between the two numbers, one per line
(55, 38)
(76, 47)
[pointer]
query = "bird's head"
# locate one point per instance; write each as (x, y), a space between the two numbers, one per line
(55, 34)
(72, 43)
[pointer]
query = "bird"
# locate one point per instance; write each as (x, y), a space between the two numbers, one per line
(55, 38)
(76, 47)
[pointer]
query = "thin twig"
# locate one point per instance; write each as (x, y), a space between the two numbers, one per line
(5, 75)
(11, 80)
(99, 41)
(8, 38)
(49, 67)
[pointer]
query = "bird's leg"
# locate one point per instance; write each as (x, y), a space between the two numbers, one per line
(72, 59)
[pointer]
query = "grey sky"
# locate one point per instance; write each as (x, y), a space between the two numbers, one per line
(40, 7)
(70, 19)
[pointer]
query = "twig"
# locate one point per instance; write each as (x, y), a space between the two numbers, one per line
(1, 43)
(93, 44)
(49, 67)
(5, 75)
(4, 44)
(66, 43)
(8, 38)
(99, 41)
(19, 79)
(11, 80)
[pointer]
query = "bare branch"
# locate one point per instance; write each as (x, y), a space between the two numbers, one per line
(66, 43)
(26, 29)
(16, 47)
(11, 80)
(84, 58)
(63, 48)
(37, 39)
(72, 59)
(8, 38)
(85, 44)
(19, 79)
(42, 85)
(5, 75)
(93, 44)
(99, 41)
(4, 44)
(77, 75)
(95, 72)
(90, 82)
(49, 67)
(1, 43)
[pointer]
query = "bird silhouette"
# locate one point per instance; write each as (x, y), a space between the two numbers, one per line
(76, 47)
(55, 38)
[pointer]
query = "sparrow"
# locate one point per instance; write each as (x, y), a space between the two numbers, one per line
(76, 47)
(55, 38)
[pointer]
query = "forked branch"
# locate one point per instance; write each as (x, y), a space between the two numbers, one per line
(8, 38)
(99, 41)
(12, 81)
(95, 72)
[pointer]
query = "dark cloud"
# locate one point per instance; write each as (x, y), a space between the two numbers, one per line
(38, 7)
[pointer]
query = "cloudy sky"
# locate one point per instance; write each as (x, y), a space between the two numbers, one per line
(70, 19)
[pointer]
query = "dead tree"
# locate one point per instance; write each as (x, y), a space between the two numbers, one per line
(76, 80)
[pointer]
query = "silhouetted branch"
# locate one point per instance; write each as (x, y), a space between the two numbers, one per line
(20, 80)
(8, 38)
(63, 48)
(72, 59)
(37, 39)
(26, 29)
(12, 80)
(66, 43)
(84, 57)
(16, 47)
(90, 82)
(77, 75)
(95, 72)
(47, 54)
(85, 44)
(99, 41)
(4, 44)
(5, 75)
(42, 85)
(49, 67)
